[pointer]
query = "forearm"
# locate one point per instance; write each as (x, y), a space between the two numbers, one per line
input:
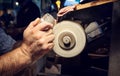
(13, 62)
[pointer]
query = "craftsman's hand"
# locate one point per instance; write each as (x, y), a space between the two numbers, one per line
(65, 10)
(38, 39)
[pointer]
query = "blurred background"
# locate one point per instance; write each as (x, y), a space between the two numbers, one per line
(15, 15)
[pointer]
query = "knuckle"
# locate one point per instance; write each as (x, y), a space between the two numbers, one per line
(45, 47)
(37, 37)
(32, 32)
(42, 41)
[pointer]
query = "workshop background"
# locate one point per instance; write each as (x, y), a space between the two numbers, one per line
(100, 56)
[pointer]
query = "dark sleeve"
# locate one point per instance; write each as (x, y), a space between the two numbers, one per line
(6, 42)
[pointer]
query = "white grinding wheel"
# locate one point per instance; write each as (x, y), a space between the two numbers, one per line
(70, 39)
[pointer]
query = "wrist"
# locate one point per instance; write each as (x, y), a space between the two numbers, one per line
(26, 51)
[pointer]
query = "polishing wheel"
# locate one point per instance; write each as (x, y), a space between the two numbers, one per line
(70, 39)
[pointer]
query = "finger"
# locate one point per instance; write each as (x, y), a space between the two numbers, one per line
(39, 34)
(48, 47)
(49, 32)
(50, 38)
(43, 26)
(63, 13)
(43, 43)
(65, 10)
(34, 23)
(46, 39)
